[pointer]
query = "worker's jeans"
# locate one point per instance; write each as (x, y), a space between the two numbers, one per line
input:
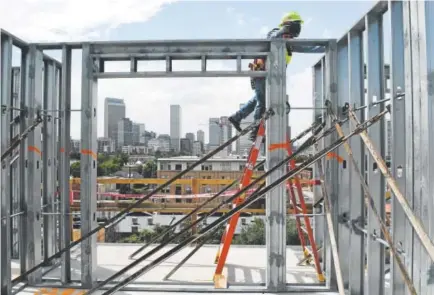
(256, 103)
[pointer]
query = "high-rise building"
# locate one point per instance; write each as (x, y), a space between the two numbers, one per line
(225, 132)
(214, 133)
(125, 133)
(201, 136)
(175, 126)
(114, 110)
(105, 145)
(244, 144)
(138, 133)
(197, 148)
(186, 146)
(190, 136)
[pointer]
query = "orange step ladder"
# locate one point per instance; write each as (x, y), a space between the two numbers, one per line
(303, 210)
(226, 240)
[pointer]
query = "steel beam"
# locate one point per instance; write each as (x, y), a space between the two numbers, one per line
(399, 138)
(375, 85)
(422, 21)
(276, 133)
(182, 46)
(357, 204)
(88, 168)
(331, 171)
(33, 164)
(48, 157)
(64, 164)
(5, 228)
(15, 163)
(318, 96)
(180, 74)
(344, 188)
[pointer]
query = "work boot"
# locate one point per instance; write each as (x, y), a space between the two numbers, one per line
(235, 123)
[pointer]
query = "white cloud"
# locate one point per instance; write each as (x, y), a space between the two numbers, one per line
(147, 100)
(62, 20)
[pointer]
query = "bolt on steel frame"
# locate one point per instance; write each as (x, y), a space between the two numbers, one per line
(43, 83)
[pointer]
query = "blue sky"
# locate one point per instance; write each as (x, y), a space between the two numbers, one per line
(148, 101)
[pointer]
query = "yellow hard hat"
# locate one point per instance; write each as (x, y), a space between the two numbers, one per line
(291, 16)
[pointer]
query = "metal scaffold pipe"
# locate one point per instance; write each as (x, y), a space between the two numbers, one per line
(115, 219)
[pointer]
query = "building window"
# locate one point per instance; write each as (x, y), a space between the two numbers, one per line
(134, 229)
(135, 221)
(161, 166)
(178, 189)
(178, 167)
(150, 221)
(169, 167)
(243, 221)
(206, 167)
(226, 166)
(241, 167)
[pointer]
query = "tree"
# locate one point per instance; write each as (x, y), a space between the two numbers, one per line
(253, 234)
(75, 169)
(108, 167)
(150, 169)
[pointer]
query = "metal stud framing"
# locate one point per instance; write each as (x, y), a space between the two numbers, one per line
(357, 205)
(344, 189)
(49, 168)
(33, 163)
(88, 167)
(5, 233)
(338, 77)
(63, 154)
(276, 199)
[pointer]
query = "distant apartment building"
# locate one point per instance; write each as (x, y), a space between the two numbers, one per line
(186, 146)
(190, 136)
(200, 136)
(106, 145)
(175, 126)
(214, 133)
(125, 132)
(197, 148)
(135, 149)
(214, 168)
(114, 110)
(162, 143)
(75, 145)
(225, 133)
(138, 134)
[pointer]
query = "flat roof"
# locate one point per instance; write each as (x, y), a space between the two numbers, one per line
(245, 266)
(213, 159)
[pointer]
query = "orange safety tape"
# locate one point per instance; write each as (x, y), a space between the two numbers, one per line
(336, 156)
(32, 148)
(90, 153)
(276, 146)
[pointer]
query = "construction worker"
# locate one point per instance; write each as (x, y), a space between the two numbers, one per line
(289, 28)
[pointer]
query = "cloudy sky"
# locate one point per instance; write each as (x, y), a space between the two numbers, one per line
(148, 101)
